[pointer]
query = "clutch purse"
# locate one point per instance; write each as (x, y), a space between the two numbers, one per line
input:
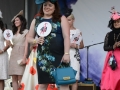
(112, 62)
(19, 61)
(64, 76)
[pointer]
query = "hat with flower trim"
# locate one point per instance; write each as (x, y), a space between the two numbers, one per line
(115, 15)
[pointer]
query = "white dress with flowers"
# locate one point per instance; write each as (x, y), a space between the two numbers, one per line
(30, 79)
(74, 63)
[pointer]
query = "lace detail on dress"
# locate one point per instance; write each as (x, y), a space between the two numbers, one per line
(107, 47)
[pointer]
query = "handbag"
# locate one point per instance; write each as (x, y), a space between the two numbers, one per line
(112, 62)
(64, 76)
(77, 55)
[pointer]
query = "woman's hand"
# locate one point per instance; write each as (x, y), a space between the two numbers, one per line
(1, 51)
(40, 40)
(8, 42)
(23, 62)
(118, 44)
(11, 45)
(66, 58)
(73, 45)
(115, 45)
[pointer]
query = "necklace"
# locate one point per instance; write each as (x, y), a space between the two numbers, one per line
(115, 39)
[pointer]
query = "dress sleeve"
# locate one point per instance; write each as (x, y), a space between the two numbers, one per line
(107, 47)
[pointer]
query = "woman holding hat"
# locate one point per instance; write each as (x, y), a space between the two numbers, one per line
(53, 48)
(110, 76)
(19, 49)
(3, 55)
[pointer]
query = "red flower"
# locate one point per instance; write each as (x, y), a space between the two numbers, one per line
(51, 87)
(34, 48)
(22, 86)
(36, 87)
(32, 70)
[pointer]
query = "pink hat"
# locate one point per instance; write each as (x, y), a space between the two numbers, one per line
(115, 14)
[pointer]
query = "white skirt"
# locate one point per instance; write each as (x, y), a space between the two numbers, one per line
(30, 78)
(74, 63)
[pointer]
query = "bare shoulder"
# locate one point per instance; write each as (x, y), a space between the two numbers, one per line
(63, 18)
(64, 21)
(33, 21)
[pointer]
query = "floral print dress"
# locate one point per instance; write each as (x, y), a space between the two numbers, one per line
(50, 53)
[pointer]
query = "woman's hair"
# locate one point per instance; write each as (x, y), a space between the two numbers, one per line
(56, 14)
(23, 25)
(72, 16)
(111, 24)
(1, 24)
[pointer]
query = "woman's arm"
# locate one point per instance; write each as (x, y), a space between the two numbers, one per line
(31, 33)
(81, 43)
(6, 47)
(26, 48)
(106, 46)
(66, 34)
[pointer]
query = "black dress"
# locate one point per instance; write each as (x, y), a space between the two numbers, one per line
(49, 54)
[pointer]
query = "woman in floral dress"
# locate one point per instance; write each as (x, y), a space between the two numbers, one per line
(53, 48)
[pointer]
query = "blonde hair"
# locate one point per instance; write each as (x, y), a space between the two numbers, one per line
(72, 16)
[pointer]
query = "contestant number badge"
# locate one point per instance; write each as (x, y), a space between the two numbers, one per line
(44, 29)
(8, 35)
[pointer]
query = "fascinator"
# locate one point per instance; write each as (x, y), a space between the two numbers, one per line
(1, 14)
(20, 13)
(115, 14)
(68, 12)
(42, 1)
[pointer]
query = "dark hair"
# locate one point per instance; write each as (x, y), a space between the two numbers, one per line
(1, 24)
(23, 25)
(111, 24)
(56, 14)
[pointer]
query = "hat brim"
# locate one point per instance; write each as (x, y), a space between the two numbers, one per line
(20, 13)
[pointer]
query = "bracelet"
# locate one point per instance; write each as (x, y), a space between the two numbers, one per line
(66, 53)
(34, 41)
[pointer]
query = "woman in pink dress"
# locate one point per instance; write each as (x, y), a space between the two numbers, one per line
(110, 75)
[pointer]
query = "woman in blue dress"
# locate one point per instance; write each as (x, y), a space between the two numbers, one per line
(53, 48)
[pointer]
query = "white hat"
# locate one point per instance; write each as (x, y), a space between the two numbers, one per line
(20, 13)
(1, 14)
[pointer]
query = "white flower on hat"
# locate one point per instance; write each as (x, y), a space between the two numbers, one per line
(1, 14)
